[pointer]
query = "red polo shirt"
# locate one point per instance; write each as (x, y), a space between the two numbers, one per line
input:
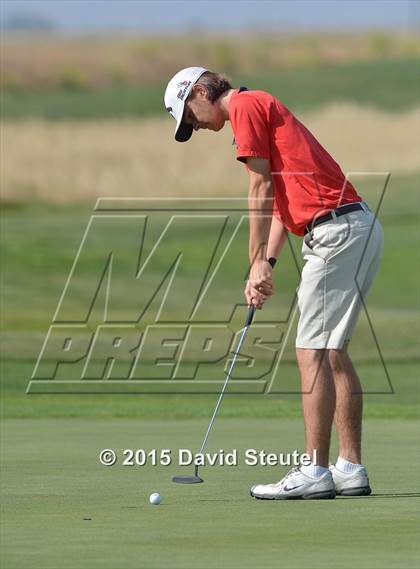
(307, 182)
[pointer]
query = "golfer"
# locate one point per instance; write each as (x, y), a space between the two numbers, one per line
(295, 179)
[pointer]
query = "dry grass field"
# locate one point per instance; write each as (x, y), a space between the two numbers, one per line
(74, 161)
(94, 62)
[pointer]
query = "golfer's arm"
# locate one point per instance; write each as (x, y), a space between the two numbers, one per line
(260, 204)
(278, 235)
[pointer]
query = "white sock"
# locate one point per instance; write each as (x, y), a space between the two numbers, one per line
(346, 466)
(313, 470)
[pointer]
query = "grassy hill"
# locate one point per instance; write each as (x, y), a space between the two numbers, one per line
(385, 84)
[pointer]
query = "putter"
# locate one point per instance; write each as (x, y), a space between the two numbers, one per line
(196, 479)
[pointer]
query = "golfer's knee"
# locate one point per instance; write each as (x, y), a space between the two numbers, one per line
(337, 359)
(311, 357)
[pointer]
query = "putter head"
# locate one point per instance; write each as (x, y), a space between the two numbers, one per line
(187, 479)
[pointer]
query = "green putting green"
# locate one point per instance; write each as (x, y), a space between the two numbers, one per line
(62, 508)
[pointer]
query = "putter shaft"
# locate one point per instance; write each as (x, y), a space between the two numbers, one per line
(250, 316)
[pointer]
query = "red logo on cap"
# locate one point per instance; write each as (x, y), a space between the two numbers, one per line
(185, 85)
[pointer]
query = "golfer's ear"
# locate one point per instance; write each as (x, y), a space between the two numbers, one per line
(258, 167)
(199, 90)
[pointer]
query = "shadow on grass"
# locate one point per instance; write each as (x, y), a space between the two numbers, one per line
(391, 495)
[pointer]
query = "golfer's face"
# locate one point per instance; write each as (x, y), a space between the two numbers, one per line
(201, 113)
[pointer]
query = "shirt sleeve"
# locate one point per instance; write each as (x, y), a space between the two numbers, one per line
(251, 130)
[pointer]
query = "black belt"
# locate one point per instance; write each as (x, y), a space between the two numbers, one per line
(342, 210)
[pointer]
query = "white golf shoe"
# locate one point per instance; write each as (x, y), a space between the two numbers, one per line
(354, 483)
(296, 485)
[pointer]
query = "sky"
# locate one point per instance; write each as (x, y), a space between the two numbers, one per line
(178, 16)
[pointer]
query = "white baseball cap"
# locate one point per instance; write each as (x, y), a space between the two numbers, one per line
(177, 91)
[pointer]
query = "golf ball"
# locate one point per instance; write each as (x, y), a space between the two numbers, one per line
(155, 498)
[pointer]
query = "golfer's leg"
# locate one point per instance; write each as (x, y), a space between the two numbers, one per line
(318, 401)
(349, 405)
(349, 396)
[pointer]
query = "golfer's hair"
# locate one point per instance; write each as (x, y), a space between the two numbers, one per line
(215, 84)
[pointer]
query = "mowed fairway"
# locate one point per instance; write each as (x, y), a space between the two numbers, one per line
(63, 509)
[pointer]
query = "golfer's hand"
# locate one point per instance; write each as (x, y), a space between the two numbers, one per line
(260, 284)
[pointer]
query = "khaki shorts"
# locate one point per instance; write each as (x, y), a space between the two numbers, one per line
(342, 258)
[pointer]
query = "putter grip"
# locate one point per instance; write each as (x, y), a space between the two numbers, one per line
(250, 316)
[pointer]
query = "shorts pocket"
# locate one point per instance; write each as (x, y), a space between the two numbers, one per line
(330, 238)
